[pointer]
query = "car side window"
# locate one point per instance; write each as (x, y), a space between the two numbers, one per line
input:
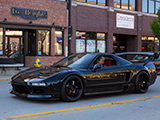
(109, 61)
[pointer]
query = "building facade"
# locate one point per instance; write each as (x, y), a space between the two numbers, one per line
(31, 29)
(113, 25)
(34, 29)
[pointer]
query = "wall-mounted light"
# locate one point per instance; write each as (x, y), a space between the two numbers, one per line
(53, 23)
(30, 22)
(5, 19)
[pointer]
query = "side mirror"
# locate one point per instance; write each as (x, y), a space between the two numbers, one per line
(96, 66)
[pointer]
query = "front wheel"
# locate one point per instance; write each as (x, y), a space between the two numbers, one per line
(141, 82)
(72, 89)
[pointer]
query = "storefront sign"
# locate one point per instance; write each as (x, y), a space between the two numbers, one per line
(29, 14)
(124, 21)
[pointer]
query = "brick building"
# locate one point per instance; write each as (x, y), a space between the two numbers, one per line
(31, 29)
(113, 25)
(34, 29)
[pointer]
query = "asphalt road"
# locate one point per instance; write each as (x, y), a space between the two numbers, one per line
(119, 106)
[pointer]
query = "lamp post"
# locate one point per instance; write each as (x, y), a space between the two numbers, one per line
(69, 27)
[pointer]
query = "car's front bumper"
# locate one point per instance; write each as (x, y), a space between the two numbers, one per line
(35, 92)
(30, 96)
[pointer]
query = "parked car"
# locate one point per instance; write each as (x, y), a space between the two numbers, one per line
(80, 74)
(142, 57)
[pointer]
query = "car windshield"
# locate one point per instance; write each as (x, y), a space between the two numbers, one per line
(82, 61)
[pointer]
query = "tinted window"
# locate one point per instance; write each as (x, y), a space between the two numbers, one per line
(82, 60)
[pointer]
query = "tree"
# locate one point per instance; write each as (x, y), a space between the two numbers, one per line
(155, 26)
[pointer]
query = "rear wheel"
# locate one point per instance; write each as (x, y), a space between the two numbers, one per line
(72, 89)
(141, 82)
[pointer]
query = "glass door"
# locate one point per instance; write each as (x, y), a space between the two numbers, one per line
(14, 48)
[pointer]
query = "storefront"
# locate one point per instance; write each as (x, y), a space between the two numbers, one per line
(150, 44)
(31, 32)
(123, 23)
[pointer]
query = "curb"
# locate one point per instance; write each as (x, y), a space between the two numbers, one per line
(5, 79)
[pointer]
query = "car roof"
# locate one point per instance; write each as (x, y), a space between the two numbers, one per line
(135, 53)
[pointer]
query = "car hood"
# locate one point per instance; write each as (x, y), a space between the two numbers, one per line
(38, 73)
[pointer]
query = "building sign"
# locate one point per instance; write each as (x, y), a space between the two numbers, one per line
(124, 21)
(29, 14)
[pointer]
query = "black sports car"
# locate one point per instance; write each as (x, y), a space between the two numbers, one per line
(142, 57)
(80, 74)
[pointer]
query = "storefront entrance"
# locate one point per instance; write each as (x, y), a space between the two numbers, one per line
(14, 48)
(124, 43)
(119, 43)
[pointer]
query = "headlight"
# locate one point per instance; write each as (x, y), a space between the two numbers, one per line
(38, 84)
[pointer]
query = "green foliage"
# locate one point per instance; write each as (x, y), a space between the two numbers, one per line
(155, 26)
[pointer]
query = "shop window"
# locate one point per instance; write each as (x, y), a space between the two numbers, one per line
(43, 42)
(80, 42)
(101, 46)
(90, 42)
(1, 41)
(150, 44)
(98, 2)
(156, 45)
(125, 4)
(144, 38)
(59, 42)
(91, 45)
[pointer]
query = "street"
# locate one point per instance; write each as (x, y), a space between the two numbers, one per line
(118, 106)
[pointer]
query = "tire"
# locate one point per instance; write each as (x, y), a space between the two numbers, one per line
(72, 89)
(141, 83)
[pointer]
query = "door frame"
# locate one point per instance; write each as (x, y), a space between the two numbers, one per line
(20, 41)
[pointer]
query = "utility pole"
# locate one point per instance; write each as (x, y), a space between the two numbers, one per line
(69, 27)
